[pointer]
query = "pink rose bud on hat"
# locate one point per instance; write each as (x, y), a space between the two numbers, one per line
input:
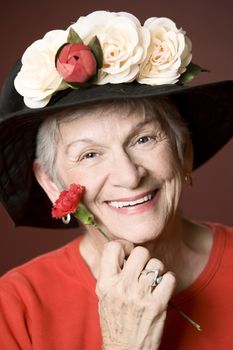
(76, 63)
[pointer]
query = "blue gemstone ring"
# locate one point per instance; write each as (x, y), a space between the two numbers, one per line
(156, 276)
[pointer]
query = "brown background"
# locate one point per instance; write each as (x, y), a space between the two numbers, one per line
(208, 24)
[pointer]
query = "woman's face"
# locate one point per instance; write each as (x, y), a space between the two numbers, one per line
(130, 172)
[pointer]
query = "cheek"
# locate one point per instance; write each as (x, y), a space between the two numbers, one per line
(91, 180)
(71, 173)
(167, 169)
(164, 164)
(172, 191)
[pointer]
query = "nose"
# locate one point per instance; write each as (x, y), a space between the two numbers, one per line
(125, 172)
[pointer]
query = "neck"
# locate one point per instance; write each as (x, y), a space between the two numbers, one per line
(184, 249)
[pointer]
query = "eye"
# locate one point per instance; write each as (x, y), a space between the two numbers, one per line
(144, 139)
(89, 155)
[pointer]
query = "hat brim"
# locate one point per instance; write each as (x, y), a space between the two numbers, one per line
(207, 110)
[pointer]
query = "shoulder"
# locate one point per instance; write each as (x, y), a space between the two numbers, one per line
(223, 241)
(221, 229)
(222, 234)
(42, 269)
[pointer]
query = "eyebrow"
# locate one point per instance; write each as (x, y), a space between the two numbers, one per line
(85, 140)
(138, 126)
(148, 120)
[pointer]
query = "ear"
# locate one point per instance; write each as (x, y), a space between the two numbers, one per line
(188, 158)
(45, 182)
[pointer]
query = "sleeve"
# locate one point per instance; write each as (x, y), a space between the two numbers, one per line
(14, 334)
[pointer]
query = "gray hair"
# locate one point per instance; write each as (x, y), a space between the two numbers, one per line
(162, 108)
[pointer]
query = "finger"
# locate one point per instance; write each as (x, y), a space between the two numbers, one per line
(153, 269)
(155, 264)
(113, 257)
(136, 262)
(165, 288)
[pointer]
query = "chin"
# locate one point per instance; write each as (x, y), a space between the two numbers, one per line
(139, 236)
(140, 240)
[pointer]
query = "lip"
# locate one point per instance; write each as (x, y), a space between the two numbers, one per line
(131, 199)
(139, 208)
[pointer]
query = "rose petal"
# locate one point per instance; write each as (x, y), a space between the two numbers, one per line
(168, 54)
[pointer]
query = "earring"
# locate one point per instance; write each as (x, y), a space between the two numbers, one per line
(188, 179)
(66, 219)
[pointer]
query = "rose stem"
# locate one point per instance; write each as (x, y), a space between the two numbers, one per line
(194, 324)
(101, 231)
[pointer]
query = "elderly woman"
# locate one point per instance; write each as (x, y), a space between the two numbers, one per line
(86, 121)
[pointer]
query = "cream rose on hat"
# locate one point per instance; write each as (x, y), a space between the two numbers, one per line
(105, 47)
(123, 40)
(168, 55)
(38, 78)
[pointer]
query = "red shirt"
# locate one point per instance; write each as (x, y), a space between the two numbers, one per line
(208, 301)
(50, 303)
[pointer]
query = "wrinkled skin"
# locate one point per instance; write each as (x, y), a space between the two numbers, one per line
(122, 157)
(136, 320)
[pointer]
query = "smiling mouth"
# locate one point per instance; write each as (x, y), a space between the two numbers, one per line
(124, 204)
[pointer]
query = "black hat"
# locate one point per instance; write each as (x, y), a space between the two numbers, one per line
(207, 110)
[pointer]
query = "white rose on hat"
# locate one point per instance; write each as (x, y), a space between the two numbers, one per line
(123, 40)
(105, 47)
(168, 55)
(38, 78)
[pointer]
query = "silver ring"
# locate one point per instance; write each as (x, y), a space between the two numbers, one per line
(156, 277)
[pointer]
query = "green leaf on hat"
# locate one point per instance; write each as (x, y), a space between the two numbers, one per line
(96, 49)
(73, 37)
(191, 71)
(73, 85)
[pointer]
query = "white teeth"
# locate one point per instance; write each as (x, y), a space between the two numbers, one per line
(131, 203)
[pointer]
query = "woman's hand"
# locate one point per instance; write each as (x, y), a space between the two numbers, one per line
(132, 312)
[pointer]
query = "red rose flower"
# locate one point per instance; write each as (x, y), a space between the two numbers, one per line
(76, 63)
(68, 201)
